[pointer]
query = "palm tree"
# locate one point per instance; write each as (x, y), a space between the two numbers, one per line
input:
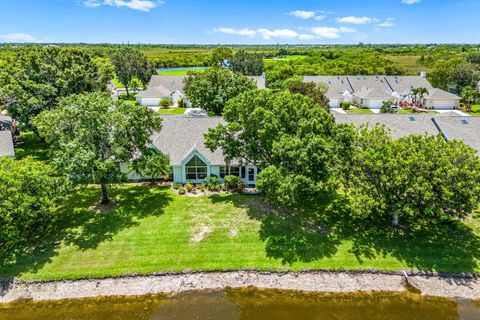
(414, 94)
(422, 92)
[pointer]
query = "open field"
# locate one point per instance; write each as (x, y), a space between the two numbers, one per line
(409, 63)
(149, 229)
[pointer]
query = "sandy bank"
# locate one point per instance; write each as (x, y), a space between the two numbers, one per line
(466, 288)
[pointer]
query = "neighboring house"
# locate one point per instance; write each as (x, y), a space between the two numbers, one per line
(371, 91)
(451, 127)
(339, 88)
(172, 87)
(440, 99)
(182, 139)
(160, 87)
(6, 137)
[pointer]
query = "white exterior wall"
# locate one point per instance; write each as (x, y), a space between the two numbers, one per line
(149, 101)
(335, 103)
(443, 104)
(215, 170)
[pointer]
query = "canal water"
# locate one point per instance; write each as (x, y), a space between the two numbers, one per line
(249, 304)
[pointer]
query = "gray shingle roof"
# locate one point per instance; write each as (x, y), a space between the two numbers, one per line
(180, 135)
(399, 125)
(369, 82)
(172, 83)
(154, 92)
(441, 94)
(5, 122)
(337, 85)
(6, 144)
(405, 84)
(469, 132)
(374, 93)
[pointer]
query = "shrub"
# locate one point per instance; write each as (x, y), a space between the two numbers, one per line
(181, 190)
(212, 181)
(189, 187)
(180, 103)
(165, 102)
(231, 182)
(202, 188)
(345, 105)
(387, 107)
(177, 186)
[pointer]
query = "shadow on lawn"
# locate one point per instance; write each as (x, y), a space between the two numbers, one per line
(86, 228)
(305, 236)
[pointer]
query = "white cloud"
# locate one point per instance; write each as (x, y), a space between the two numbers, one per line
(268, 34)
(355, 20)
(91, 3)
(320, 17)
(410, 1)
(306, 37)
(140, 5)
(347, 30)
(240, 32)
(17, 37)
(303, 14)
(326, 32)
(386, 24)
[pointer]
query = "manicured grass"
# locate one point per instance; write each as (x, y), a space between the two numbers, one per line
(180, 72)
(423, 112)
(359, 111)
(150, 229)
(475, 110)
(172, 111)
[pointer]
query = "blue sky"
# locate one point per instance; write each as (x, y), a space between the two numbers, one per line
(241, 22)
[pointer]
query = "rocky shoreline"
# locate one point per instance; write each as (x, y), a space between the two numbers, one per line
(461, 287)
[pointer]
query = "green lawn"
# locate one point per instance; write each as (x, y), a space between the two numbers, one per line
(172, 111)
(359, 111)
(423, 112)
(475, 110)
(150, 229)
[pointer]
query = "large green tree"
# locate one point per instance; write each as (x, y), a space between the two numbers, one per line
(91, 135)
(457, 72)
(35, 78)
(221, 55)
(213, 88)
(30, 195)
(316, 91)
(248, 64)
(411, 181)
(132, 64)
(291, 137)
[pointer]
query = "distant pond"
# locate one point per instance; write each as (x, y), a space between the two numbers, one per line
(248, 304)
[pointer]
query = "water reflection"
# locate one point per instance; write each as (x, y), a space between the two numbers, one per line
(248, 304)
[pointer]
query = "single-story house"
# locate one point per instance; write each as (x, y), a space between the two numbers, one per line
(372, 91)
(160, 87)
(182, 139)
(172, 87)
